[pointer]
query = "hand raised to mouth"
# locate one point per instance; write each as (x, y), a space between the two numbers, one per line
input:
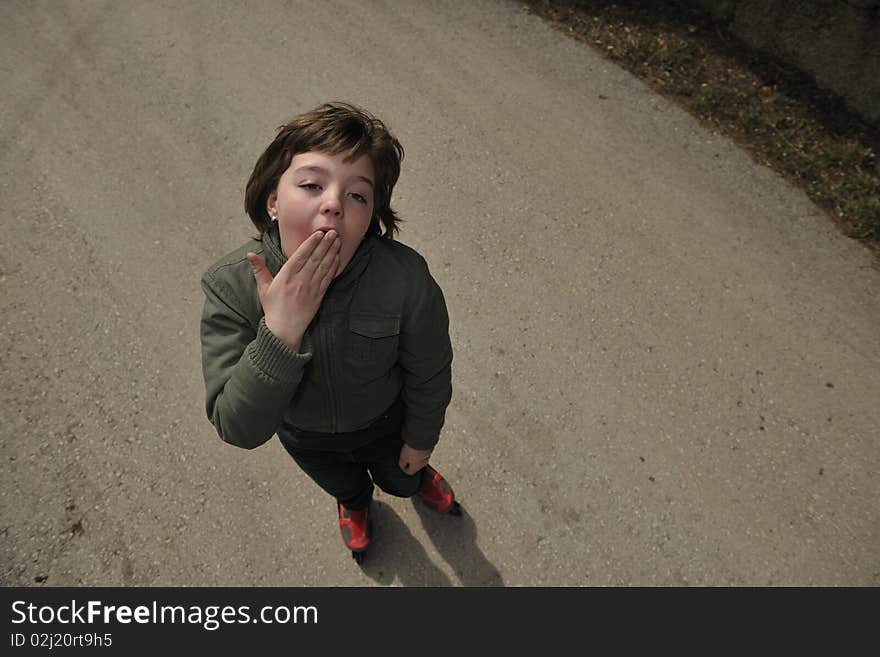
(292, 297)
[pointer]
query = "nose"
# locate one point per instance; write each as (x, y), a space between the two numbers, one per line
(331, 205)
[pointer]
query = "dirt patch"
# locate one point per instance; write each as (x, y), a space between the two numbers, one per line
(773, 111)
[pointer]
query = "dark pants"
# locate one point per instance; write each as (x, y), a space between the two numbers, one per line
(349, 474)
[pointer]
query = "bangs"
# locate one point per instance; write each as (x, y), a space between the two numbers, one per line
(346, 135)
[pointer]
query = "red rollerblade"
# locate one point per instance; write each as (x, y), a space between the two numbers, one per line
(355, 529)
(436, 492)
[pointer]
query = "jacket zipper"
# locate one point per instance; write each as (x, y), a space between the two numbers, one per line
(327, 331)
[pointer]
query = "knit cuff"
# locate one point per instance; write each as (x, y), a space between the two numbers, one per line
(274, 359)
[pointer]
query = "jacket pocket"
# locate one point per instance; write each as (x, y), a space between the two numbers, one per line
(373, 340)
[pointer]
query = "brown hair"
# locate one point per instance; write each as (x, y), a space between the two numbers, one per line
(332, 128)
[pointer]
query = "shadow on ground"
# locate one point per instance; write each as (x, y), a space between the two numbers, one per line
(395, 554)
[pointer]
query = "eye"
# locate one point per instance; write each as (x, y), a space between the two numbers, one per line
(313, 186)
(360, 198)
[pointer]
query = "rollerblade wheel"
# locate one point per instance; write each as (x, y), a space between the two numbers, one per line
(358, 557)
(455, 510)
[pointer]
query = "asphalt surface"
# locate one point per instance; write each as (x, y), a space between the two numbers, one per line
(667, 361)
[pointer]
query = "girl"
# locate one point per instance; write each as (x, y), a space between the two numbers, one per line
(326, 331)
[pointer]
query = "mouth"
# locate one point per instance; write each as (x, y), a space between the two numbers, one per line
(326, 229)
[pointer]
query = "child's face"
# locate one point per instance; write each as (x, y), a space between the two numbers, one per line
(319, 192)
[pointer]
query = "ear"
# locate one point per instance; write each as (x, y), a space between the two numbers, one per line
(272, 205)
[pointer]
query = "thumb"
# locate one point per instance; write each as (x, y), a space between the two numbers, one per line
(261, 272)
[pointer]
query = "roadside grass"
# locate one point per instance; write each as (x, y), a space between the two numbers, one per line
(773, 111)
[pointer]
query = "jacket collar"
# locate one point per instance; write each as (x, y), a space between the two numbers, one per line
(275, 257)
(272, 244)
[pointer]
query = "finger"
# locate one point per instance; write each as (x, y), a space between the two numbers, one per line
(327, 260)
(261, 272)
(302, 254)
(330, 274)
(324, 252)
(318, 254)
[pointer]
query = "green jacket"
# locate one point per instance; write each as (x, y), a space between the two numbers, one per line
(381, 333)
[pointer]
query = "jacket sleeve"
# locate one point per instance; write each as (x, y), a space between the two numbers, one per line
(250, 375)
(425, 356)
